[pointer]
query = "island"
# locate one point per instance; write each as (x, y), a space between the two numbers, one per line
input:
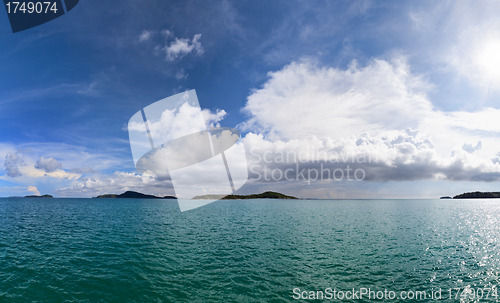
(478, 195)
(265, 195)
(446, 197)
(132, 195)
(42, 196)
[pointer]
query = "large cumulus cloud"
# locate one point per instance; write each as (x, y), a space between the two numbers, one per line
(380, 111)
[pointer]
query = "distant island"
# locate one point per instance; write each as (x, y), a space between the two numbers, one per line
(43, 196)
(132, 195)
(446, 197)
(478, 195)
(266, 195)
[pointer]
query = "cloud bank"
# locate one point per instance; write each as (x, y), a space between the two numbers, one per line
(380, 111)
(116, 183)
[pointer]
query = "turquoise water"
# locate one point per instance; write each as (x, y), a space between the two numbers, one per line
(127, 250)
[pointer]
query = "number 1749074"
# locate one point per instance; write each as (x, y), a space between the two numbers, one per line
(31, 7)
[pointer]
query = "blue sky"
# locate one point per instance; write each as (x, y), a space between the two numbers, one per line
(283, 71)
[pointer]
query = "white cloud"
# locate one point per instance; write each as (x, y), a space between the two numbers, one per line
(172, 124)
(84, 170)
(176, 123)
(34, 164)
(33, 190)
(213, 119)
(164, 43)
(302, 100)
(22, 165)
(181, 47)
(396, 156)
(145, 35)
(48, 164)
(470, 149)
(166, 33)
(54, 165)
(332, 110)
(12, 163)
(181, 75)
(71, 156)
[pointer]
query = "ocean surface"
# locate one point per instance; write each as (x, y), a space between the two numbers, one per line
(132, 250)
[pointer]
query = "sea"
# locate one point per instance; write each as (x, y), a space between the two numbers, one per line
(133, 250)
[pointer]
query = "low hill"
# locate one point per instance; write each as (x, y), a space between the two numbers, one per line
(133, 195)
(43, 196)
(266, 195)
(478, 195)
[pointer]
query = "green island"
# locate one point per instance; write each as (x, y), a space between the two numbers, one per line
(42, 196)
(478, 195)
(265, 195)
(131, 195)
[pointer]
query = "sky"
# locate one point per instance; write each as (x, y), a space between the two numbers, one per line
(406, 92)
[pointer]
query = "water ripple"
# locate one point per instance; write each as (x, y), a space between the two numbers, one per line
(89, 250)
